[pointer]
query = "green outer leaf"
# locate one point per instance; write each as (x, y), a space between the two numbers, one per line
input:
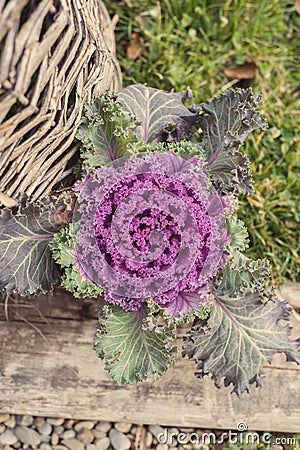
(154, 110)
(226, 121)
(106, 132)
(80, 288)
(131, 352)
(243, 274)
(231, 172)
(26, 264)
(243, 334)
(238, 234)
(62, 247)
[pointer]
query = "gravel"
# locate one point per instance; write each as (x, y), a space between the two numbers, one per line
(155, 430)
(103, 426)
(8, 438)
(27, 435)
(102, 444)
(11, 422)
(84, 424)
(123, 427)
(54, 421)
(59, 430)
(46, 438)
(26, 421)
(99, 434)
(4, 417)
(86, 436)
(46, 428)
(73, 444)
(118, 440)
(45, 446)
(54, 439)
(68, 434)
(38, 433)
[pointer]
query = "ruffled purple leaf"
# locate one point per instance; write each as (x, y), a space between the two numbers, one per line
(149, 228)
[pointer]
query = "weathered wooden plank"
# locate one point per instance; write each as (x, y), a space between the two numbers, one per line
(62, 305)
(57, 305)
(54, 372)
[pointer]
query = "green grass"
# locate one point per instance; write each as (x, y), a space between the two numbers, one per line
(191, 43)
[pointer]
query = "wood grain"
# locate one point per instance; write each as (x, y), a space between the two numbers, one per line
(47, 367)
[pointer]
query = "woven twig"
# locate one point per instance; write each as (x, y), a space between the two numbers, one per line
(54, 56)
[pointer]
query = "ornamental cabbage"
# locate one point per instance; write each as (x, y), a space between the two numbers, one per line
(150, 228)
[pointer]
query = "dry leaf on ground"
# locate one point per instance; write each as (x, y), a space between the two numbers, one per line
(245, 71)
(134, 49)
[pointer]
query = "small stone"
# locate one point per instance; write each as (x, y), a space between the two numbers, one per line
(118, 440)
(39, 421)
(68, 434)
(133, 429)
(45, 446)
(45, 438)
(17, 444)
(155, 430)
(69, 423)
(162, 447)
(148, 439)
(11, 422)
(123, 427)
(190, 446)
(4, 417)
(27, 435)
(73, 444)
(55, 421)
(90, 447)
(54, 439)
(3, 428)
(84, 424)
(85, 435)
(103, 426)
(8, 438)
(59, 447)
(98, 434)
(172, 436)
(59, 430)
(46, 429)
(102, 444)
(26, 421)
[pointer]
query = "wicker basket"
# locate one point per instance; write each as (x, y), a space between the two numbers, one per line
(54, 56)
